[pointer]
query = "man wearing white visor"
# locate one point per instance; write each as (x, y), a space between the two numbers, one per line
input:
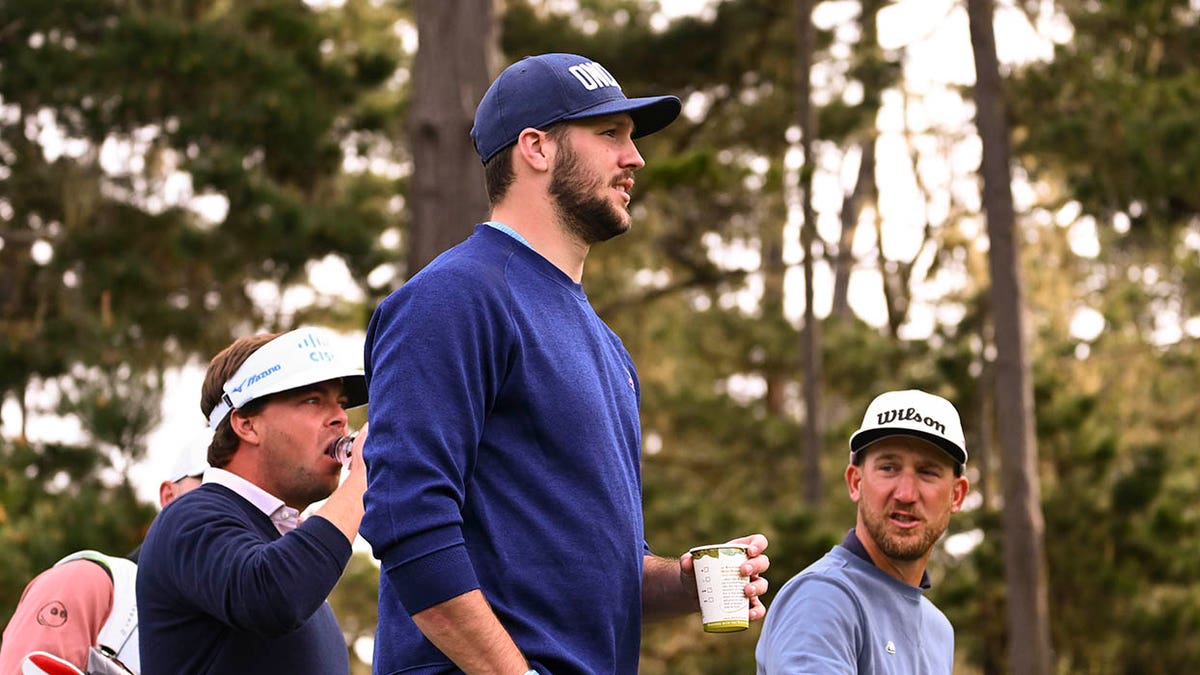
(231, 581)
(861, 608)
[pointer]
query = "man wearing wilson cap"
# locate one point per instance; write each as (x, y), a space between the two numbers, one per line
(231, 581)
(504, 468)
(861, 608)
(83, 610)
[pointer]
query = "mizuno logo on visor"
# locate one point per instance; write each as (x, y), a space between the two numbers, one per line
(257, 376)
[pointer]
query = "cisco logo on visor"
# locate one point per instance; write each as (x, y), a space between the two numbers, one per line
(318, 347)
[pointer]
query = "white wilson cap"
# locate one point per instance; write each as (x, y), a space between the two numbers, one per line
(304, 356)
(912, 413)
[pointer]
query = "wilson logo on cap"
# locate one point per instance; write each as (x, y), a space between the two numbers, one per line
(910, 415)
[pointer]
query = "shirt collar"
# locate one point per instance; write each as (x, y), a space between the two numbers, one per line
(852, 544)
(284, 517)
(497, 225)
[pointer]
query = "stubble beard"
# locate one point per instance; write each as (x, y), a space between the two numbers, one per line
(901, 548)
(308, 488)
(582, 213)
(297, 480)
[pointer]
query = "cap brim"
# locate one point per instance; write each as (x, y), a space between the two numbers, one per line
(354, 385)
(356, 390)
(649, 113)
(862, 439)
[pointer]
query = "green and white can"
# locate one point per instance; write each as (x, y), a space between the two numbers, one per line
(724, 607)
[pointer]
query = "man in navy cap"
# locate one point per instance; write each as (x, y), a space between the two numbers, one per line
(504, 496)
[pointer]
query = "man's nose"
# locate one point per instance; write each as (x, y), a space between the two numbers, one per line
(906, 487)
(632, 158)
(340, 417)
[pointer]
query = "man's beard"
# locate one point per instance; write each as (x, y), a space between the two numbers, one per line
(897, 548)
(589, 217)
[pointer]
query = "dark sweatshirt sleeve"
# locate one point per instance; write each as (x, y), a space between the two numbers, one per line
(224, 563)
(435, 358)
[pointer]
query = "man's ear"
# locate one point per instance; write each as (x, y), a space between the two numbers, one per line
(532, 148)
(961, 486)
(244, 427)
(854, 481)
(166, 493)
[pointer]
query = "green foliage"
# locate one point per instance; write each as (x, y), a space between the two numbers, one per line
(1112, 113)
(53, 500)
(252, 100)
(1117, 483)
(118, 409)
(354, 601)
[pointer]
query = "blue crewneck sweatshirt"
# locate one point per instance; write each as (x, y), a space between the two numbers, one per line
(220, 591)
(504, 456)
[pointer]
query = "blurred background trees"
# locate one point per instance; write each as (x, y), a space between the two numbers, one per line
(174, 174)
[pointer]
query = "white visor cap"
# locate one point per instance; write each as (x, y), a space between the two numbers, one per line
(302, 357)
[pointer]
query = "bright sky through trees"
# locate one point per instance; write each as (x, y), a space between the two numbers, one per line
(933, 34)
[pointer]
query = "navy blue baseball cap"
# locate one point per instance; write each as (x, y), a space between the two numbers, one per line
(538, 91)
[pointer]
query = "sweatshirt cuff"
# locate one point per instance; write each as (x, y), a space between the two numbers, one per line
(433, 578)
(330, 538)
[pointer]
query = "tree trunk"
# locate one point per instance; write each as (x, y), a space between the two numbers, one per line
(450, 73)
(773, 276)
(870, 72)
(852, 207)
(810, 337)
(981, 455)
(1024, 549)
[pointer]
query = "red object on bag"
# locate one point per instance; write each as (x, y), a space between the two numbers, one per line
(41, 663)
